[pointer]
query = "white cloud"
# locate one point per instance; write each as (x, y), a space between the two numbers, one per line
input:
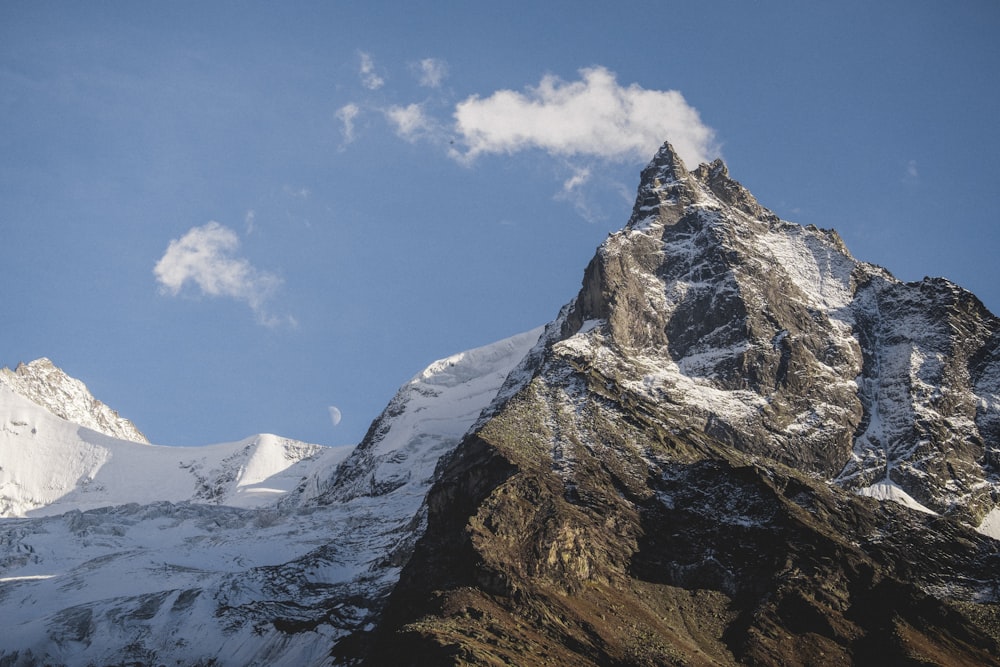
(594, 116)
(571, 192)
(369, 77)
(251, 221)
(346, 115)
(912, 173)
(411, 123)
(335, 414)
(432, 72)
(580, 176)
(206, 257)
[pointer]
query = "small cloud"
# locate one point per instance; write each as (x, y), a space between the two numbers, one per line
(411, 123)
(296, 193)
(346, 115)
(250, 220)
(206, 257)
(912, 174)
(594, 116)
(369, 77)
(335, 414)
(571, 193)
(580, 176)
(431, 72)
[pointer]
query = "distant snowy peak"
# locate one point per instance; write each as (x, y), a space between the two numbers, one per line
(51, 466)
(42, 382)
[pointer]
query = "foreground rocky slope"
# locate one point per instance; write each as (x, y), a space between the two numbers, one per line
(676, 475)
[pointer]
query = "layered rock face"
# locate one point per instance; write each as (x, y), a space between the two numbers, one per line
(672, 476)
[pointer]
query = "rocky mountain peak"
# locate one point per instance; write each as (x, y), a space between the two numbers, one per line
(663, 182)
(666, 187)
(47, 385)
(771, 337)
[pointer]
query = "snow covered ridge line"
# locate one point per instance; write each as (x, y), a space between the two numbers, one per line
(51, 465)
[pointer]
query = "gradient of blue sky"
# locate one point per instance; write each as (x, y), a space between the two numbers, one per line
(361, 233)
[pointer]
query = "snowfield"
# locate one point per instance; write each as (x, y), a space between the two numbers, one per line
(51, 466)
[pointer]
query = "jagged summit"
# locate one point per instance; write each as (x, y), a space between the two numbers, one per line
(44, 383)
(666, 184)
(772, 337)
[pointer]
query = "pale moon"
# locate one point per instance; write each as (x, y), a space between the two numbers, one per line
(335, 414)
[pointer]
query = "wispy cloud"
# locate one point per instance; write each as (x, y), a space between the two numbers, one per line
(346, 115)
(579, 177)
(411, 122)
(296, 192)
(912, 174)
(431, 72)
(572, 192)
(207, 258)
(370, 79)
(594, 116)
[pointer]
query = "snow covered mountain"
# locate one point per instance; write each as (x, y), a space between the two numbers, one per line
(43, 383)
(51, 466)
(736, 445)
(259, 552)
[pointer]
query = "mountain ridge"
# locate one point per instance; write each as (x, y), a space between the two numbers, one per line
(656, 486)
(52, 466)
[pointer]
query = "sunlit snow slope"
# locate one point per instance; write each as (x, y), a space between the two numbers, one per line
(46, 384)
(49, 466)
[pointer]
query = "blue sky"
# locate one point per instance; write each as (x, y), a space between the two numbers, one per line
(228, 217)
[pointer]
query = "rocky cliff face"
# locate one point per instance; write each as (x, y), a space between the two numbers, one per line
(673, 476)
(44, 383)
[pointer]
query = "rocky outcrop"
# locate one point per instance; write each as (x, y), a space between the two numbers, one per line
(672, 477)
